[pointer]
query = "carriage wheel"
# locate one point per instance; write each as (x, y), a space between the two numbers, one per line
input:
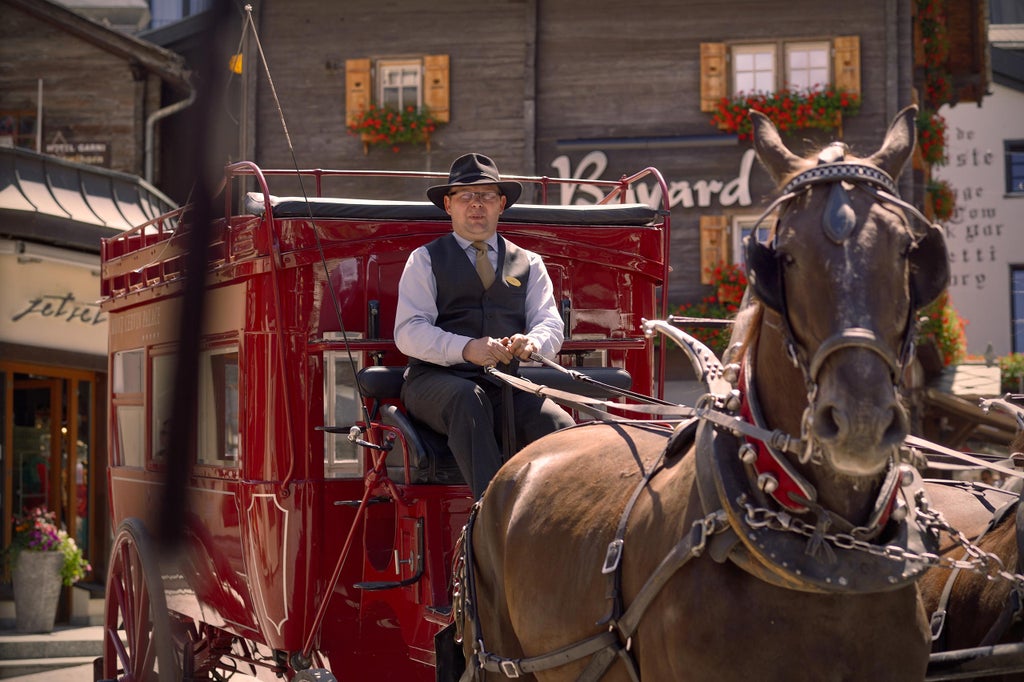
(136, 602)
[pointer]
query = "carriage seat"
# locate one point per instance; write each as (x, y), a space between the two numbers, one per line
(368, 209)
(430, 460)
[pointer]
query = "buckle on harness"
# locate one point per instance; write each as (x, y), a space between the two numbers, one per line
(510, 668)
(612, 557)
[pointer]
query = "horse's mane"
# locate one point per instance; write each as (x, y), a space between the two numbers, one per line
(744, 330)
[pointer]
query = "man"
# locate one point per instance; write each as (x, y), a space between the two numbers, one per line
(470, 300)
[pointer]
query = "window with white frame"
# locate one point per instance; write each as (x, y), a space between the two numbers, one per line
(399, 84)
(730, 69)
(807, 65)
(742, 226)
(755, 68)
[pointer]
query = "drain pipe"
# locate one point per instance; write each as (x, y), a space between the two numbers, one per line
(151, 126)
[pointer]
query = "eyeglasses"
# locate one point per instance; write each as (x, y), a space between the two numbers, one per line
(469, 197)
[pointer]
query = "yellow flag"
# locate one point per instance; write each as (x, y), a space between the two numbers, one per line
(235, 64)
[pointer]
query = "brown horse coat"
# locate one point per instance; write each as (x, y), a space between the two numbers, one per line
(540, 542)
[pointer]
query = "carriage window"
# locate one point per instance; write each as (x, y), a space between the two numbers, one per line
(1017, 305)
(341, 408)
(128, 386)
(219, 435)
(161, 398)
(1014, 166)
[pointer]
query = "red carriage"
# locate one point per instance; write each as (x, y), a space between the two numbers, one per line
(319, 523)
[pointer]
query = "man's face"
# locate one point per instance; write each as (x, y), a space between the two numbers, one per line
(475, 210)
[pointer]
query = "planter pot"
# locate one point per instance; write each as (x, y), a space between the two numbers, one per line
(37, 587)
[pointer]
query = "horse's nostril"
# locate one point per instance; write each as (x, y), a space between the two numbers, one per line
(899, 426)
(828, 422)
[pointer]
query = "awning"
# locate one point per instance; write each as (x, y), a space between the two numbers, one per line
(49, 200)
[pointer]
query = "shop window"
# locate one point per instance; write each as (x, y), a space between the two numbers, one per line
(1014, 166)
(219, 434)
(419, 82)
(721, 240)
(729, 69)
(342, 409)
(128, 391)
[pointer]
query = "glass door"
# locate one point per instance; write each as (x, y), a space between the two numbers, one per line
(49, 433)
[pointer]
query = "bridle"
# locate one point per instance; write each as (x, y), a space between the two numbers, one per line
(929, 268)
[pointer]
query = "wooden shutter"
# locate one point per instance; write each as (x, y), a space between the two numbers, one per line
(358, 87)
(846, 63)
(712, 75)
(713, 244)
(435, 86)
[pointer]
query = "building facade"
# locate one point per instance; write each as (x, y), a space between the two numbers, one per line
(80, 106)
(985, 170)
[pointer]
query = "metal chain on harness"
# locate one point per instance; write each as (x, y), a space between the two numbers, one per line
(979, 561)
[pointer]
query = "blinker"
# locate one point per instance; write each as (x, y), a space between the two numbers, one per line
(763, 272)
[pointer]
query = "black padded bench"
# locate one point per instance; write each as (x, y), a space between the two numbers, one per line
(370, 209)
(430, 460)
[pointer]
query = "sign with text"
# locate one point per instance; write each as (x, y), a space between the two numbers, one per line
(92, 152)
(51, 305)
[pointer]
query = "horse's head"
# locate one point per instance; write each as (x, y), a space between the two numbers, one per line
(848, 265)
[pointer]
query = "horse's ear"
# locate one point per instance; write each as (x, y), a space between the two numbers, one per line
(773, 154)
(763, 272)
(898, 144)
(929, 267)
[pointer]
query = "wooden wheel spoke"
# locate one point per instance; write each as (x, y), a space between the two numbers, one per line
(137, 648)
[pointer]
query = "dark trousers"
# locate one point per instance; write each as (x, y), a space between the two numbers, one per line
(469, 411)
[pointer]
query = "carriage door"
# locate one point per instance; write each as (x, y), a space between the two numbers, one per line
(49, 440)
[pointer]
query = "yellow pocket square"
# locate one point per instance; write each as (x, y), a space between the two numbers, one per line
(513, 281)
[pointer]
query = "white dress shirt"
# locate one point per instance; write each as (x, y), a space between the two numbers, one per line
(417, 335)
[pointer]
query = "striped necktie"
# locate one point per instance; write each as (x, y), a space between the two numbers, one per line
(483, 264)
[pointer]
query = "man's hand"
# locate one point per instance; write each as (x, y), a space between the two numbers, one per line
(487, 352)
(520, 346)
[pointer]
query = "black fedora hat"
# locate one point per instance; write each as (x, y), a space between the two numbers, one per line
(475, 169)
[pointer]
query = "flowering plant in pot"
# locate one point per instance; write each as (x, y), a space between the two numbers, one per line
(789, 109)
(390, 126)
(942, 326)
(931, 137)
(43, 557)
(943, 199)
(728, 283)
(36, 531)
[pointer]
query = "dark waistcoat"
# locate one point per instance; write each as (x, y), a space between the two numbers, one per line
(464, 307)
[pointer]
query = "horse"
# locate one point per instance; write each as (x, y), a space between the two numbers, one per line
(746, 542)
(981, 605)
